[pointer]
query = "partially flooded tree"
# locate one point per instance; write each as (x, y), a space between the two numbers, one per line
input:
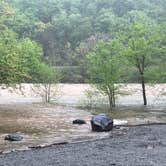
(144, 47)
(105, 66)
(47, 79)
(21, 62)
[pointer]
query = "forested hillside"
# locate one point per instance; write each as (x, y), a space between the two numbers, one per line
(67, 30)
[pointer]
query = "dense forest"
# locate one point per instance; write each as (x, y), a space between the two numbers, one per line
(62, 32)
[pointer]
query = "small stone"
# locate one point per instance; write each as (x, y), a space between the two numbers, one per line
(13, 137)
(79, 121)
(117, 127)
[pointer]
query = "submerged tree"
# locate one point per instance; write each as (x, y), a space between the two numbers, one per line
(105, 66)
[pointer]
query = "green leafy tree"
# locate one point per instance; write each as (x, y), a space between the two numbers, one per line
(47, 78)
(10, 70)
(20, 59)
(30, 55)
(6, 14)
(60, 26)
(105, 66)
(144, 46)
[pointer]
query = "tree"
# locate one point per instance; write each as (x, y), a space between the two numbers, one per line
(144, 46)
(105, 66)
(20, 59)
(47, 77)
(61, 26)
(30, 59)
(10, 70)
(6, 13)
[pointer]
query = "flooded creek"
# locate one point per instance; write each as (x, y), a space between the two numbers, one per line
(46, 124)
(41, 124)
(136, 115)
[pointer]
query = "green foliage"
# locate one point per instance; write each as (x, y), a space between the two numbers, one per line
(72, 74)
(47, 75)
(144, 45)
(46, 79)
(61, 26)
(105, 66)
(20, 60)
(104, 62)
(30, 58)
(10, 68)
(144, 49)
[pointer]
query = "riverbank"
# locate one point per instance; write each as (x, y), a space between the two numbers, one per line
(135, 146)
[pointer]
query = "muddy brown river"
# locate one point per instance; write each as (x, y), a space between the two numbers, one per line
(47, 124)
(42, 125)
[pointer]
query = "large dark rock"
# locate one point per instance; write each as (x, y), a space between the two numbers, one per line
(13, 137)
(79, 121)
(101, 123)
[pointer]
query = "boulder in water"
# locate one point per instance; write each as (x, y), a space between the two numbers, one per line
(13, 137)
(101, 123)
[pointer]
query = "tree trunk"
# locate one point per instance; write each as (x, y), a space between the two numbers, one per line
(110, 101)
(46, 93)
(49, 92)
(143, 89)
(113, 96)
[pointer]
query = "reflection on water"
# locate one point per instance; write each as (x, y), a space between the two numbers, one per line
(48, 124)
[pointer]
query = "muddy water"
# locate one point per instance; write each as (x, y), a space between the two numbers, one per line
(43, 125)
(137, 114)
(47, 124)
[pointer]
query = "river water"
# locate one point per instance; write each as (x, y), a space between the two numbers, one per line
(42, 124)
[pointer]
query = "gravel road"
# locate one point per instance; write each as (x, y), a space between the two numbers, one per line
(135, 146)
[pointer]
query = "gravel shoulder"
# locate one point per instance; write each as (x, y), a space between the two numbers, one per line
(134, 146)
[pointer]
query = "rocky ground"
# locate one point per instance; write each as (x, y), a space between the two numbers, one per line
(135, 146)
